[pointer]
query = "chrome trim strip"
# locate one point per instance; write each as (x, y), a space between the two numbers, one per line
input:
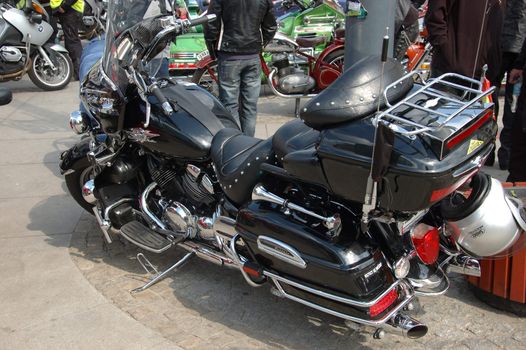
(331, 296)
(294, 258)
(379, 322)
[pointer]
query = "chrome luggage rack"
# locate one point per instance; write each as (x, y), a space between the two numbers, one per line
(445, 125)
(410, 128)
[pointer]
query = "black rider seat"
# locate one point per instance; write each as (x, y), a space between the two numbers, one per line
(295, 145)
(237, 159)
(356, 93)
(310, 42)
(294, 136)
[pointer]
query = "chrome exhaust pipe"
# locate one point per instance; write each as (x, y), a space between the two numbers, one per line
(407, 326)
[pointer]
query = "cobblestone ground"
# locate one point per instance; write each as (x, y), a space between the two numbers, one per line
(203, 306)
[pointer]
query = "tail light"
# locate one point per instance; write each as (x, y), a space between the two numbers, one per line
(383, 303)
(466, 133)
(426, 242)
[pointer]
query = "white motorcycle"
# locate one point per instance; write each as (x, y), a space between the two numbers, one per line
(24, 48)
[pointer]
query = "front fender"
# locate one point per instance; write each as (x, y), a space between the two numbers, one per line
(78, 151)
(55, 47)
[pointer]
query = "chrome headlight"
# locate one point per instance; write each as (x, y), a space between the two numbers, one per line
(78, 122)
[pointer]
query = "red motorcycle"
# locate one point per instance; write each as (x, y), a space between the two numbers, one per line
(289, 71)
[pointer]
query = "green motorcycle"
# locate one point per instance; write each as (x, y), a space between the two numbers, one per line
(300, 19)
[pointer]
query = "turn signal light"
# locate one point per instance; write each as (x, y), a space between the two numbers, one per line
(383, 303)
(427, 243)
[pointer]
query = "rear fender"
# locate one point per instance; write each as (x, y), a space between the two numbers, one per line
(205, 62)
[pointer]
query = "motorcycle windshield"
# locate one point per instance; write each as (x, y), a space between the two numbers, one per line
(121, 16)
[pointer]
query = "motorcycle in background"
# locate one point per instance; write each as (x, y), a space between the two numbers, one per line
(355, 210)
(24, 48)
(304, 19)
(288, 70)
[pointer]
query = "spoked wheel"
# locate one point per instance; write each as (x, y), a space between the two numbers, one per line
(83, 172)
(47, 78)
(336, 58)
(207, 78)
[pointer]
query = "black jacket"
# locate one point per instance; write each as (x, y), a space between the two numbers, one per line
(241, 27)
(455, 28)
(514, 28)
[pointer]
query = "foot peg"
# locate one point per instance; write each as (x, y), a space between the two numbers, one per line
(146, 238)
(158, 276)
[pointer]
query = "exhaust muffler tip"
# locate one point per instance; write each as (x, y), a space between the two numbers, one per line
(408, 326)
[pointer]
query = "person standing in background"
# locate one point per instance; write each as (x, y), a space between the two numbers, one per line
(465, 35)
(517, 164)
(513, 35)
(236, 37)
(69, 14)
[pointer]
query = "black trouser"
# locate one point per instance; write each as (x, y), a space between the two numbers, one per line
(70, 21)
(518, 141)
(508, 58)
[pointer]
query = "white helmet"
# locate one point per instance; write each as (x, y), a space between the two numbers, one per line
(488, 223)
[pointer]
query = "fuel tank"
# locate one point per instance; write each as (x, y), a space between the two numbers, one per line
(188, 131)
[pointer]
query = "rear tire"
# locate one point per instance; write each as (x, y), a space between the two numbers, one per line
(45, 78)
(202, 78)
(75, 180)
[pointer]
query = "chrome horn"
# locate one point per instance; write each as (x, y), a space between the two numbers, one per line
(260, 193)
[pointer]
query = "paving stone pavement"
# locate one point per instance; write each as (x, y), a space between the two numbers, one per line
(203, 306)
(63, 288)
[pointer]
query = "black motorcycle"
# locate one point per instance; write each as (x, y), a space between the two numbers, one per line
(354, 210)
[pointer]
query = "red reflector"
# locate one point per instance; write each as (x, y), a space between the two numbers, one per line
(427, 246)
(252, 272)
(464, 135)
(383, 303)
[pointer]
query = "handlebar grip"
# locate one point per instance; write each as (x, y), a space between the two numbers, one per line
(202, 20)
(167, 108)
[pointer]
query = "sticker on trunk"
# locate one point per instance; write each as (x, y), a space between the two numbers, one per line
(473, 145)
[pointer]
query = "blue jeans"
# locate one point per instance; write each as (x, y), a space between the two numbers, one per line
(239, 85)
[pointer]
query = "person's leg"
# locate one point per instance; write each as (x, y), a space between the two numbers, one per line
(228, 85)
(250, 88)
(70, 21)
(507, 117)
(517, 166)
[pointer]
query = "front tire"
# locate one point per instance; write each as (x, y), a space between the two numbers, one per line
(75, 180)
(43, 76)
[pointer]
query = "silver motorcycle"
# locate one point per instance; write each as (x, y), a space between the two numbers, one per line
(24, 48)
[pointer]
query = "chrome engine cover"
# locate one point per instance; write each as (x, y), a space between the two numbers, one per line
(10, 54)
(296, 83)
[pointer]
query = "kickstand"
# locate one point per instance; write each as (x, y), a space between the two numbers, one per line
(297, 108)
(158, 276)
